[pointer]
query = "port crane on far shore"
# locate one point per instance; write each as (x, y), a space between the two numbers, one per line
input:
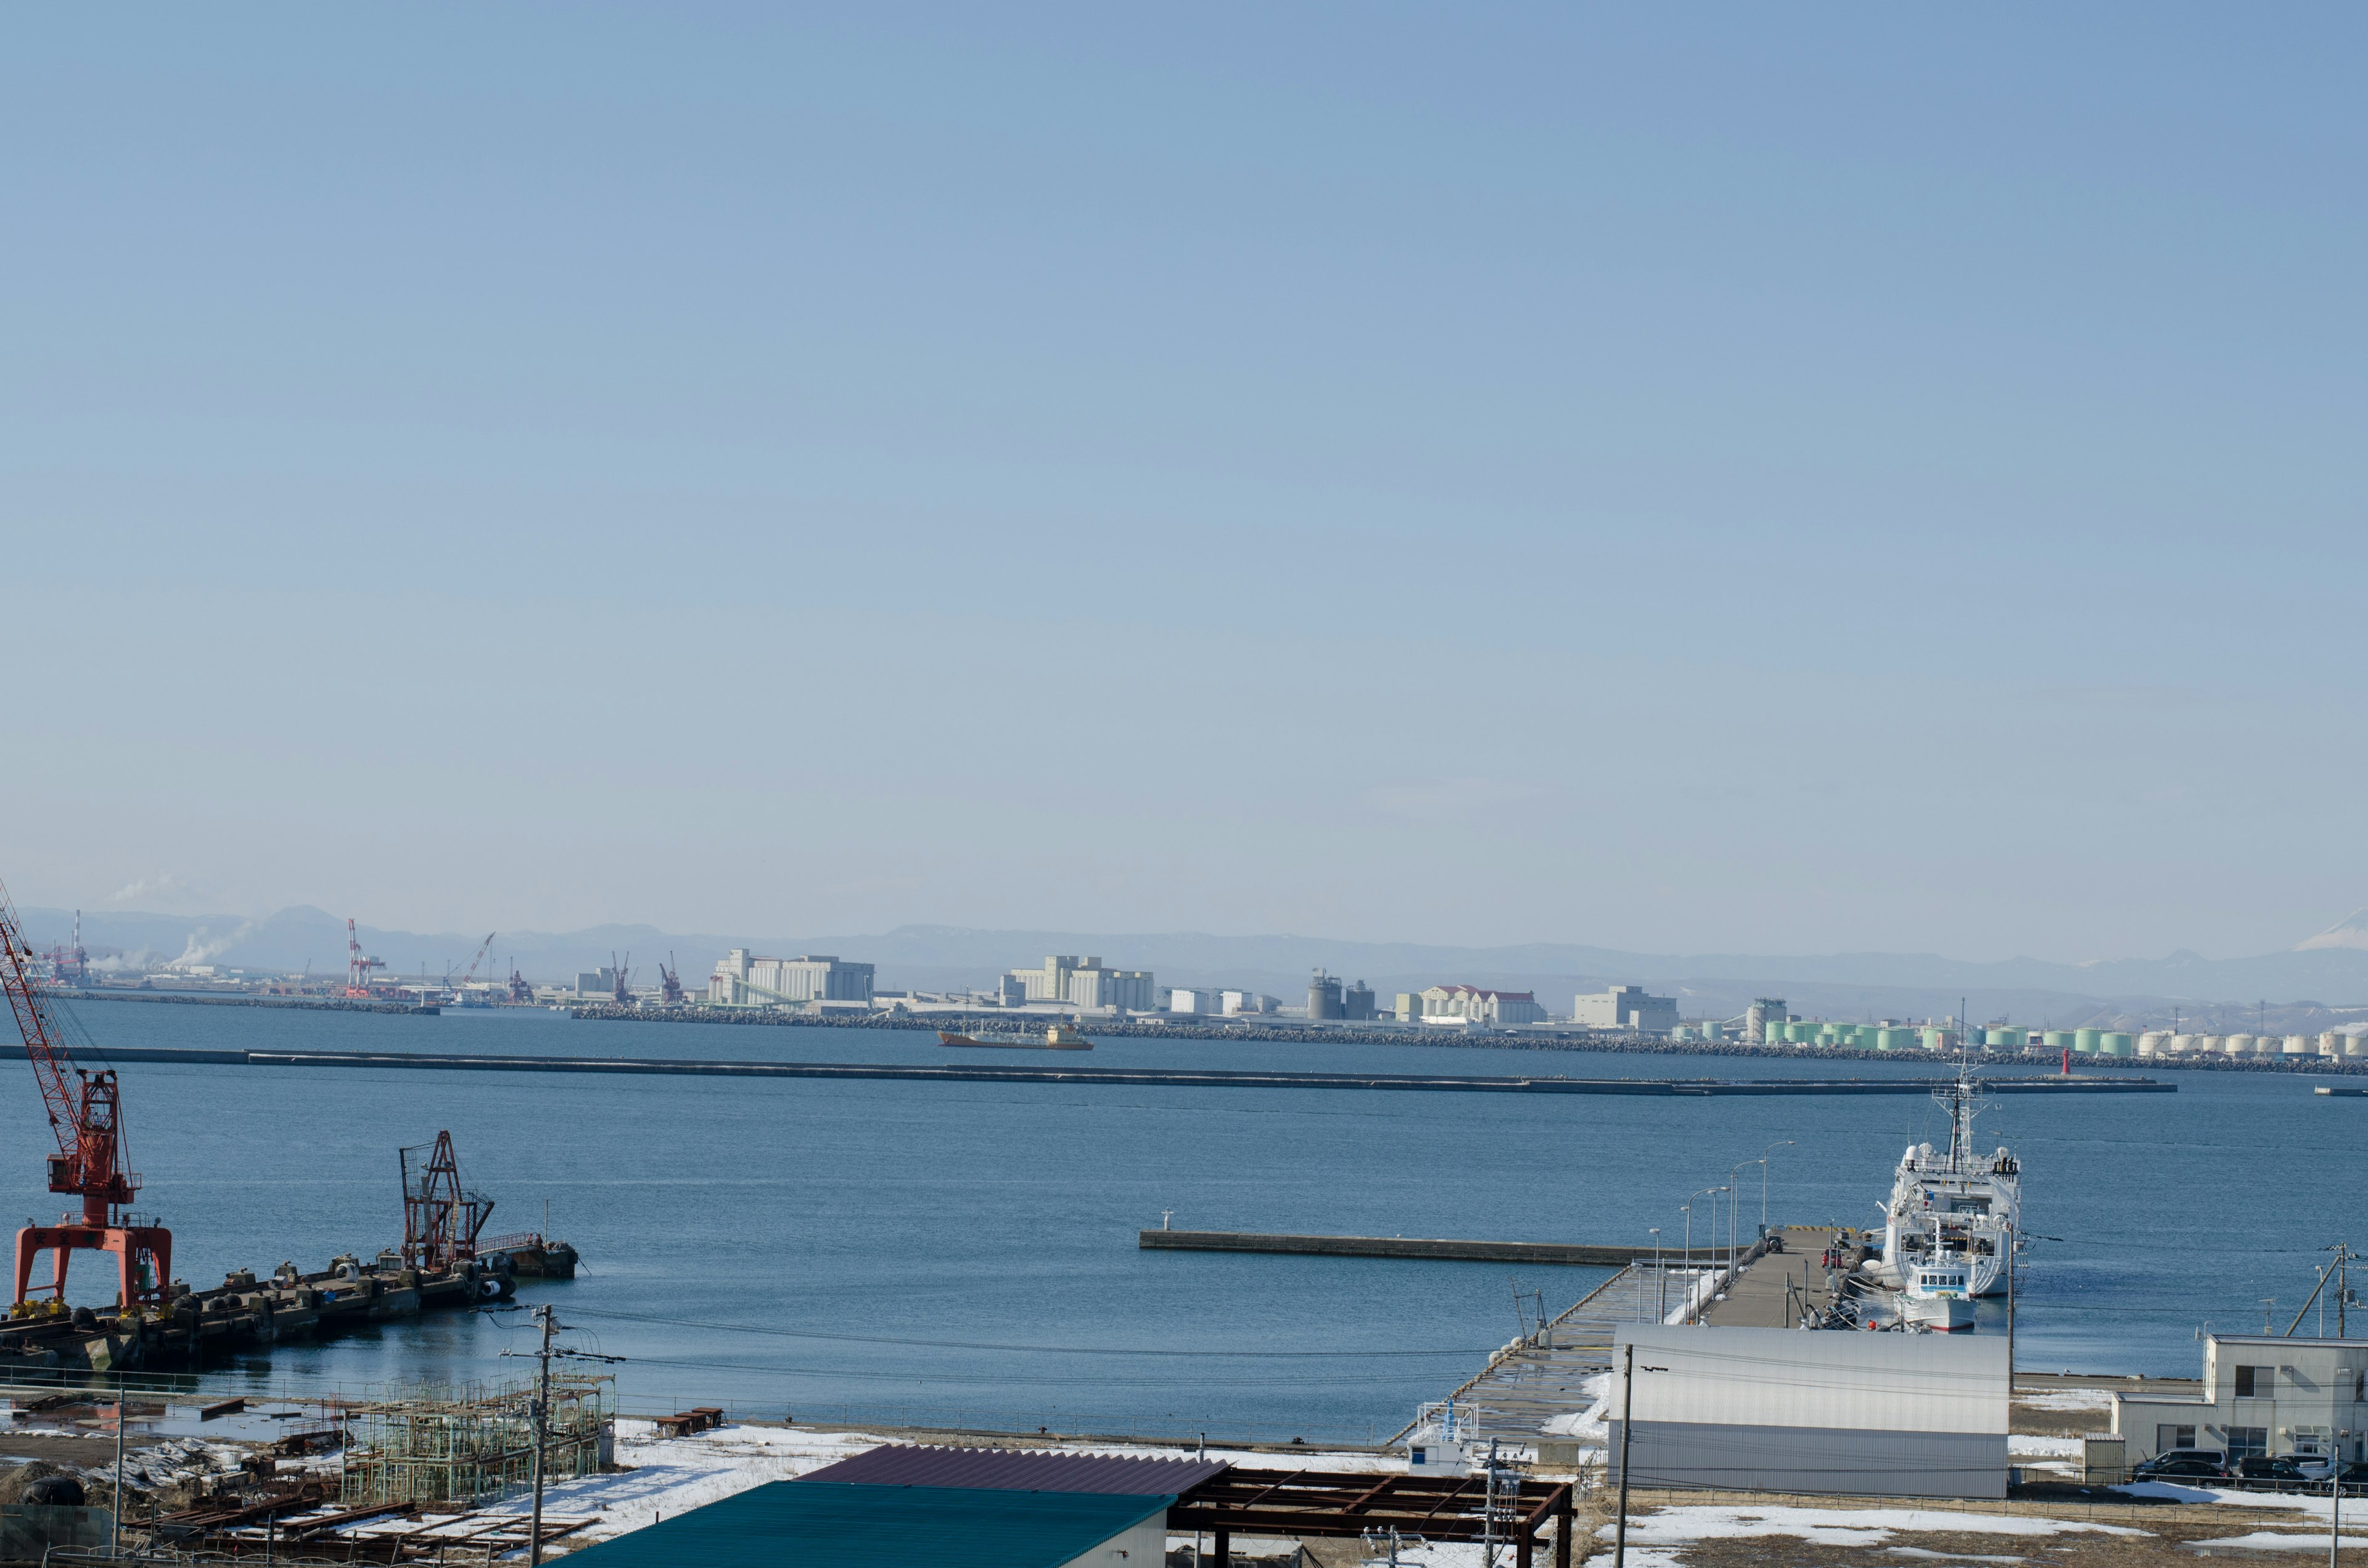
(483, 949)
(87, 1113)
(359, 965)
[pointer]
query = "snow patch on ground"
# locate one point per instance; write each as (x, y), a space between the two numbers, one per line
(1839, 1526)
(2269, 1541)
(2292, 1502)
(1922, 1555)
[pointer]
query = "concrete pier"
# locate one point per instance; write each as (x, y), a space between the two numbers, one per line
(1578, 1254)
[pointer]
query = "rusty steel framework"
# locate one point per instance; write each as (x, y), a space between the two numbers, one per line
(85, 1112)
(1497, 1511)
(470, 1443)
(440, 1217)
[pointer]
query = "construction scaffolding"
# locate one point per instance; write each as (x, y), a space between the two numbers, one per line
(470, 1443)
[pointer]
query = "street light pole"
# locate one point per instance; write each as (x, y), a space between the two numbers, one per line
(1661, 1280)
(1772, 1148)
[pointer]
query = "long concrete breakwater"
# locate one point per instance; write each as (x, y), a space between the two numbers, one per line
(1578, 1254)
(455, 1061)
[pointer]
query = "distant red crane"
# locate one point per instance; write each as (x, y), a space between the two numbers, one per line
(483, 949)
(520, 990)
(359, 965)
(440, 1217)
(670, 983)
(622, 995)
(87, 1113)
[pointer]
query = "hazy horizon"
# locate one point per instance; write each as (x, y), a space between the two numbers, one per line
(1705, 481)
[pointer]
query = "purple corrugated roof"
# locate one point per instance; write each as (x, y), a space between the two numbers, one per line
(1019, 1470)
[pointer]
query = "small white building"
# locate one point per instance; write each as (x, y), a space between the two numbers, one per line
(741, 978)
(2260, 1394)
(1778, 1409)
(1626, 1007)
(1230, 1003)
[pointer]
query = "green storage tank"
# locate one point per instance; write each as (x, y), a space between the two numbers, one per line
(2004, 1039)
(1713, 1032)
(2059, 1040)
(1893, 1040)
(2087, 1039)
(2115, 1043)
(1797, 1032)
(1775, 1032)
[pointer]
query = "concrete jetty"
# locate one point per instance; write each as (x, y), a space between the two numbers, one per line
(457, 1062)
(1571, 1254)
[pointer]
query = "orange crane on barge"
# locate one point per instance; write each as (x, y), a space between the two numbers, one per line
(87, 1113)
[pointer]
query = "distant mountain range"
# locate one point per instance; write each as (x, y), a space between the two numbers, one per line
(2322, 976)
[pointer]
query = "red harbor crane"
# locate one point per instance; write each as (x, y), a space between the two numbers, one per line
(520, 991)
(359, 965)
(670, 983)
(622, 995)
(87, 1113)
(483, 949)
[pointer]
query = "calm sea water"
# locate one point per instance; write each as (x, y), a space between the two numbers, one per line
(965, 1253)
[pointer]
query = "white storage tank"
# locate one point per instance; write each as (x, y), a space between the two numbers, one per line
(2236, 1044)
(2355, 1045)
(2299, 1045)
(2331, 1043)
(2185, 1044)
(2154, 1043)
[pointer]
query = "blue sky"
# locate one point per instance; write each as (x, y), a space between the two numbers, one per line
(1721, 479)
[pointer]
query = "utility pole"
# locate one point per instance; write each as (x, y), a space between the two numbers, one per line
(550, 1321)
(115, 1522)
(1627, 1429)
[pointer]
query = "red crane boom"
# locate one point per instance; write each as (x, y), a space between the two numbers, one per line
(86, 1114)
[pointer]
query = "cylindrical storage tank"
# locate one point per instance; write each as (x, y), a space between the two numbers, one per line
(2154, 1043)
(1680, 1034)
(2003, 1039)
(1712, 1031)
(2330, 1044)
(2186, 1044)
(2299, 1045)
(2059, 1040)
(2211, 1045)
(2087, 1039)
(2355, 1045)
(2113, 1042)
(1775, 1032)
(1799, 1033)
(2236, 1044)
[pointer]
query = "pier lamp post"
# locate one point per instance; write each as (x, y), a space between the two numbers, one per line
(1772, 1148)
(1688, 1207)
(1660, 1280)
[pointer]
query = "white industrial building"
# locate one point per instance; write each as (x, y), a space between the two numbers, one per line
(1626, 1007)
(1778, 1409)
(1469, 1005)
(2261, 1395)
(743, 980)
(1085, 983)
(601, 982)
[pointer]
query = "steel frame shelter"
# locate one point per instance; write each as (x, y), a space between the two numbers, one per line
(1335, 1504)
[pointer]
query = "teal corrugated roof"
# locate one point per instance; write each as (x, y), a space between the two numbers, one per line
(836, 1525)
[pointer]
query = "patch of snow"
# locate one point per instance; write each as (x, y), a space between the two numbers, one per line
(1591, 1424)
(1919, 1552)
(2292, 1501)
(1839, 1526)
(2270, 1540)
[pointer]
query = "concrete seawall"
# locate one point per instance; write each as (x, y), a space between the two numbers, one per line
(1574, 1253)
(454, 1062)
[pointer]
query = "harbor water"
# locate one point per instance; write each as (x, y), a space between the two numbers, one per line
(964, 1252)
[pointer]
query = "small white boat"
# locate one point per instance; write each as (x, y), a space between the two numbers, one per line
(1936, 1289)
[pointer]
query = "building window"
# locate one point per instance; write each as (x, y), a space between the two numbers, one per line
(2166, 1438)
(2245, 1442)
(2256, 1381)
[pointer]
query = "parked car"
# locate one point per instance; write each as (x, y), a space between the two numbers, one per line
(2276, 1472)
(2183, 1465)
(2355, 1478)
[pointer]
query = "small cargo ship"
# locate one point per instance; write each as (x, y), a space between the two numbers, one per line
(1060, 1037)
